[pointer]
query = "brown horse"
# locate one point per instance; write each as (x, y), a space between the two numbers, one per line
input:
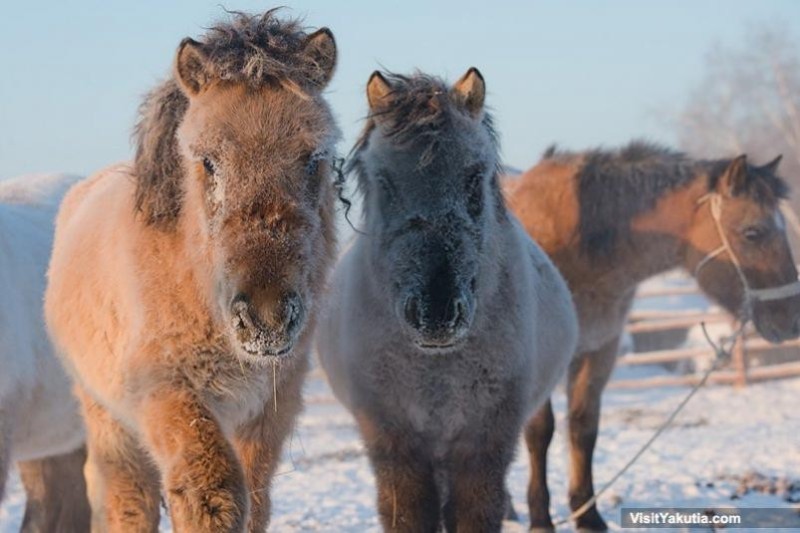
(609, 220)
(183, 288)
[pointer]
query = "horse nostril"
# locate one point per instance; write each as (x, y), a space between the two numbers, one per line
(240, 309)
(292, 311)
(412, 312)
(459, 311)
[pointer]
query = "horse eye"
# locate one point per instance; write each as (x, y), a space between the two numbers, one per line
(754, 233)
(209, 166)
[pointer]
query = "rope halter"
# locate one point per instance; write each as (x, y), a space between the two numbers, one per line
(714, 201)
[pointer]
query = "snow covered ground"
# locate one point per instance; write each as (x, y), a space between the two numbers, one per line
(725, 441)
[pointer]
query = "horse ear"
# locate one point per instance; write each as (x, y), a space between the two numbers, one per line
(320, 48)
(772, 166)
(379, 92)
(470, 91)
(734, 179)
(191, 69)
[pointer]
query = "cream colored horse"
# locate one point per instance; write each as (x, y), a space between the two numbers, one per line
(183, 288)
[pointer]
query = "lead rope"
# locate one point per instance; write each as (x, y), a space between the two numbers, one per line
(721, 355)
(715, 204)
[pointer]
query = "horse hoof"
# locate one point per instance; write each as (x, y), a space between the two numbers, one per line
(542, 529)
(590, 522)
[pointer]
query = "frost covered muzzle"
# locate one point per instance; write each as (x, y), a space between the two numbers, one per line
(270, 331)
(437, 326)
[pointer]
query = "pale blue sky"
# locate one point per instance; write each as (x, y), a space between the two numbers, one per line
(579, 73)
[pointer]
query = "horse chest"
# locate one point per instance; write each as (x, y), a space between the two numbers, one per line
(442, 399)
(249, 401)
(234, 392)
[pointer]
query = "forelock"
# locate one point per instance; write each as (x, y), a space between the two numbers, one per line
(421, 107)
(260, 50)
(257, 50)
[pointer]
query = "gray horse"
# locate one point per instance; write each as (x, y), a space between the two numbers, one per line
(447, 326)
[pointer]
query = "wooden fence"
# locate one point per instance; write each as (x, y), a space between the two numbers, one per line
(738, 372)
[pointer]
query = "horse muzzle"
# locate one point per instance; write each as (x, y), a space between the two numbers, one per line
(777, 321)
(437, 330)
(267, 333)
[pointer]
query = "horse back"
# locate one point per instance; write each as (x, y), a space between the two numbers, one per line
(89, 271)
(545, 201)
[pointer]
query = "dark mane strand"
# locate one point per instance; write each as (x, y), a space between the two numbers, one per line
(616, 185)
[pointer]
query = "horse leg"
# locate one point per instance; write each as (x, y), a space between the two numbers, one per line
(259, 463)
(538, 435)
(258, 446)
(203, 479)
(407, 498)
(55, 493)
(476, 502)
(588, 375)
(122, 485)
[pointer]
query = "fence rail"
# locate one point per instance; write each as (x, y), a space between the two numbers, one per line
(738, 373)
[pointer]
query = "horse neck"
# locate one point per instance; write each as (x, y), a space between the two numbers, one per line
(657, 241)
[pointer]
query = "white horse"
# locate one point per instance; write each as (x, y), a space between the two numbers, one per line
(39, 417)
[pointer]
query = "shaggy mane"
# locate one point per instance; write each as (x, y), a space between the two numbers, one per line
(257, 50)
(614, 186)
(421, 108)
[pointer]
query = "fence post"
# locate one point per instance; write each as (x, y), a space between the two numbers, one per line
(739, 359)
